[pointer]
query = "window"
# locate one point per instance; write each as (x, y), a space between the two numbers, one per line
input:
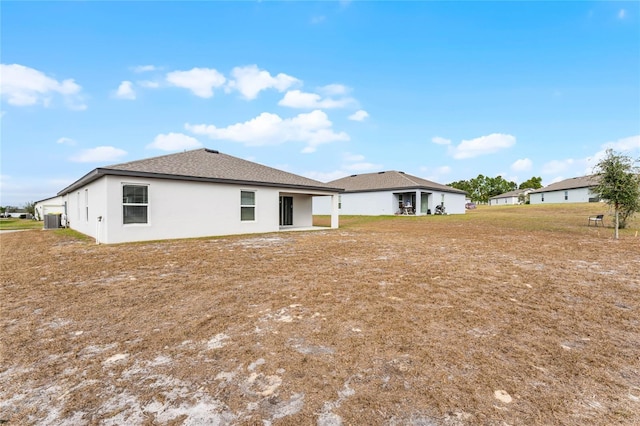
(566, 195)
(542, 196)
(339, 201)
(135, 203)
(86, 205)
(247, 205)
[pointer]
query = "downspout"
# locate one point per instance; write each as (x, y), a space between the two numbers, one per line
(98, 229)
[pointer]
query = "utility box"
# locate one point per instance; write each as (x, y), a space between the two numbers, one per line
(52, 221)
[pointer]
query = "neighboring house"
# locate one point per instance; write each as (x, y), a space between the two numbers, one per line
(574, 190)
(190, 194)
(509, 198)
(53, 205)
(392, 192)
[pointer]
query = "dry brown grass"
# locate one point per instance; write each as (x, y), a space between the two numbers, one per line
(510, 315)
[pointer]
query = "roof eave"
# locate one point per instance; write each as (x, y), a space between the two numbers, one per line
(97, 173)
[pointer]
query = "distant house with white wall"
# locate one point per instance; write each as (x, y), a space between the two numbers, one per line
(509, 198)
(53, 205)
(574, 190)
(190, 194)
(392, 192)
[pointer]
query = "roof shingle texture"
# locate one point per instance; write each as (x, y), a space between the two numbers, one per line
(573, 183)
(389, 180)
(208, 164)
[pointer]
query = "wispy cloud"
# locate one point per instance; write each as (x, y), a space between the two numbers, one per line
(305, 100)
(482, 146)
(100, 154)
(440, 141)
(359, 115)
(66, 141)
(522, 165)
(144, 68)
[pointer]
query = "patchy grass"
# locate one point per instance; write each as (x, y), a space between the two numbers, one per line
(516, 315)
(16, 224)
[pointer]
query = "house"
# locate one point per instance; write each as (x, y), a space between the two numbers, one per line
(574, 190)
(392, 192)
(53, 205)
(509, 198)
(189, 194)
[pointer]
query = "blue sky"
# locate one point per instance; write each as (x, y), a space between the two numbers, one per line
(440, 90)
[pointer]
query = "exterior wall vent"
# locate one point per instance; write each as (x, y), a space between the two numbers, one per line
(212, 151)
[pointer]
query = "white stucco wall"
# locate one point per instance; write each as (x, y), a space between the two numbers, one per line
(180, 209)
(577, 195)
(386, 203)
(53, 205)
(503, 201)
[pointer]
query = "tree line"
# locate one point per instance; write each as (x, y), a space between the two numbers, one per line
(481, 188)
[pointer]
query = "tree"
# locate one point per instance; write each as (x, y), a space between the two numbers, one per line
(619, 186)
(481, 188)
(30, 208)
(533, 183)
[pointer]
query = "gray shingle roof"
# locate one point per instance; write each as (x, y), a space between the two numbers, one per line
(388, 180)
(205, 165)
(573, 183)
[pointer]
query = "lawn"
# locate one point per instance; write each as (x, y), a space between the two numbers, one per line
(16, 224)
(506, 315)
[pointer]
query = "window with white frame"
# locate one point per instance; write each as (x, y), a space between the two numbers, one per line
(566, 195)
(247, 205)
(86, 205)
(135, 204)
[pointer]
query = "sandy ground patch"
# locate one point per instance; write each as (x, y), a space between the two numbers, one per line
(401, 321)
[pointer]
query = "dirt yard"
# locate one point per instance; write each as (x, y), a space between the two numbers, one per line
(503, 316)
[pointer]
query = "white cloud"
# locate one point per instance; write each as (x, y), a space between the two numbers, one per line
(299, 99)
(632, 143)
(440, 141)
(347, 156)
(334, 89)
(24, 86)
(482, 145)
(622, 14)
(250, 81)
(554, 167)
(437, 174)
(149, 84)
(362, 167)
(201, 81)
(522, 165)
(99, 154)
(125, 91)
(20, 190)
(327, 176)
(66, 141)
(359, 115)
(144, 68)
(174, 142)
(313, 128)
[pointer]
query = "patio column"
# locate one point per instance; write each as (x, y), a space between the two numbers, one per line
(418, 205)
(335, 214)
